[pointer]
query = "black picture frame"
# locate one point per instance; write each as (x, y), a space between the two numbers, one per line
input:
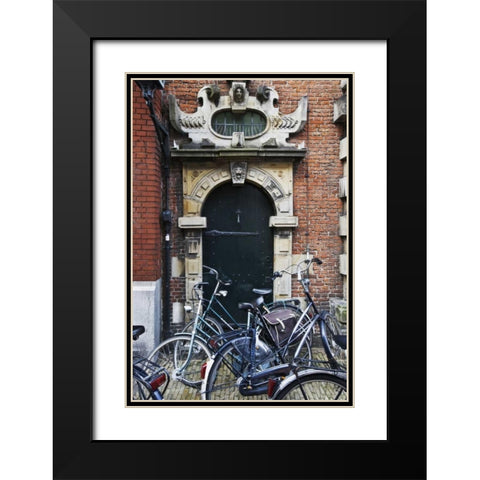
(77, 24)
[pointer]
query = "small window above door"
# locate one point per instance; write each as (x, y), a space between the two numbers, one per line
(251, 123)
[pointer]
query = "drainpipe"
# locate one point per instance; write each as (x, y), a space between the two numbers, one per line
(148, 91)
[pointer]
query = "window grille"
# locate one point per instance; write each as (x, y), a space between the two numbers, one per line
(250, 123)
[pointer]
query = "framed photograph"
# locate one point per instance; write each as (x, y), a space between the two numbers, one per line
(237, 98)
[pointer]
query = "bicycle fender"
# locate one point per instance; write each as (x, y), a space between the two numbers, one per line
(309, 371)
(203, 388)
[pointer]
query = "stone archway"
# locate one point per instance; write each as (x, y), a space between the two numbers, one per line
(199, 181)
(201, 178)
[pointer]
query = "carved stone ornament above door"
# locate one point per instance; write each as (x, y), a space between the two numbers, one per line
(239, 120)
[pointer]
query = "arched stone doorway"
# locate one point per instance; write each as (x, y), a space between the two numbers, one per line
(273, 180)
(238, 242)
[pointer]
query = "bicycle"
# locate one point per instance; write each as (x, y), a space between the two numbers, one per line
(280, 324)
(333, 339)
(149, 380)
(186, 354)
(244, 366)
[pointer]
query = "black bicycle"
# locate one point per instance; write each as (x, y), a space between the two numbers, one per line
(247, 367)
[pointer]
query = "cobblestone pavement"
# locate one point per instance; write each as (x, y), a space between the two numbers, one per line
(177, 391)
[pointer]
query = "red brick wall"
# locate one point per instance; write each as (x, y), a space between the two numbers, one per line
(146, 194)
(316, 178)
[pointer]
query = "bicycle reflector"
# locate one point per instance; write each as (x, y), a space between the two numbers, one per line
(203, 370)
(272, 383)
(158, 382)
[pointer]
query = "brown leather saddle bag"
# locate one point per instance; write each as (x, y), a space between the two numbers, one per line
(280, 323)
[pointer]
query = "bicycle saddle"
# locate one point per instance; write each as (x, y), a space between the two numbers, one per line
(251, 305)
(137, 331)
(262, 291)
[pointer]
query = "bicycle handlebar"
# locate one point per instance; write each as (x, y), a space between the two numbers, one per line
(137, 331)
(299, 271)
(212, 271)
(277, 274)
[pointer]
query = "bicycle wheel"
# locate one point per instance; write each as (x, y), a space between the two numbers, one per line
(321, 387)
(335, 351)
(230, 365)
(185, 374)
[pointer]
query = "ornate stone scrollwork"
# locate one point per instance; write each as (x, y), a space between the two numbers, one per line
(213, 94)
(238, 120)
(263, 93)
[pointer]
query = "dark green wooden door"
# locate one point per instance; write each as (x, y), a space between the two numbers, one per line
(238, 241)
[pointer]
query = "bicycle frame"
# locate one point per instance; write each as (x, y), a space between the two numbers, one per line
(201, 316)
(214, 301)
(319, 316)
(217, 310)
